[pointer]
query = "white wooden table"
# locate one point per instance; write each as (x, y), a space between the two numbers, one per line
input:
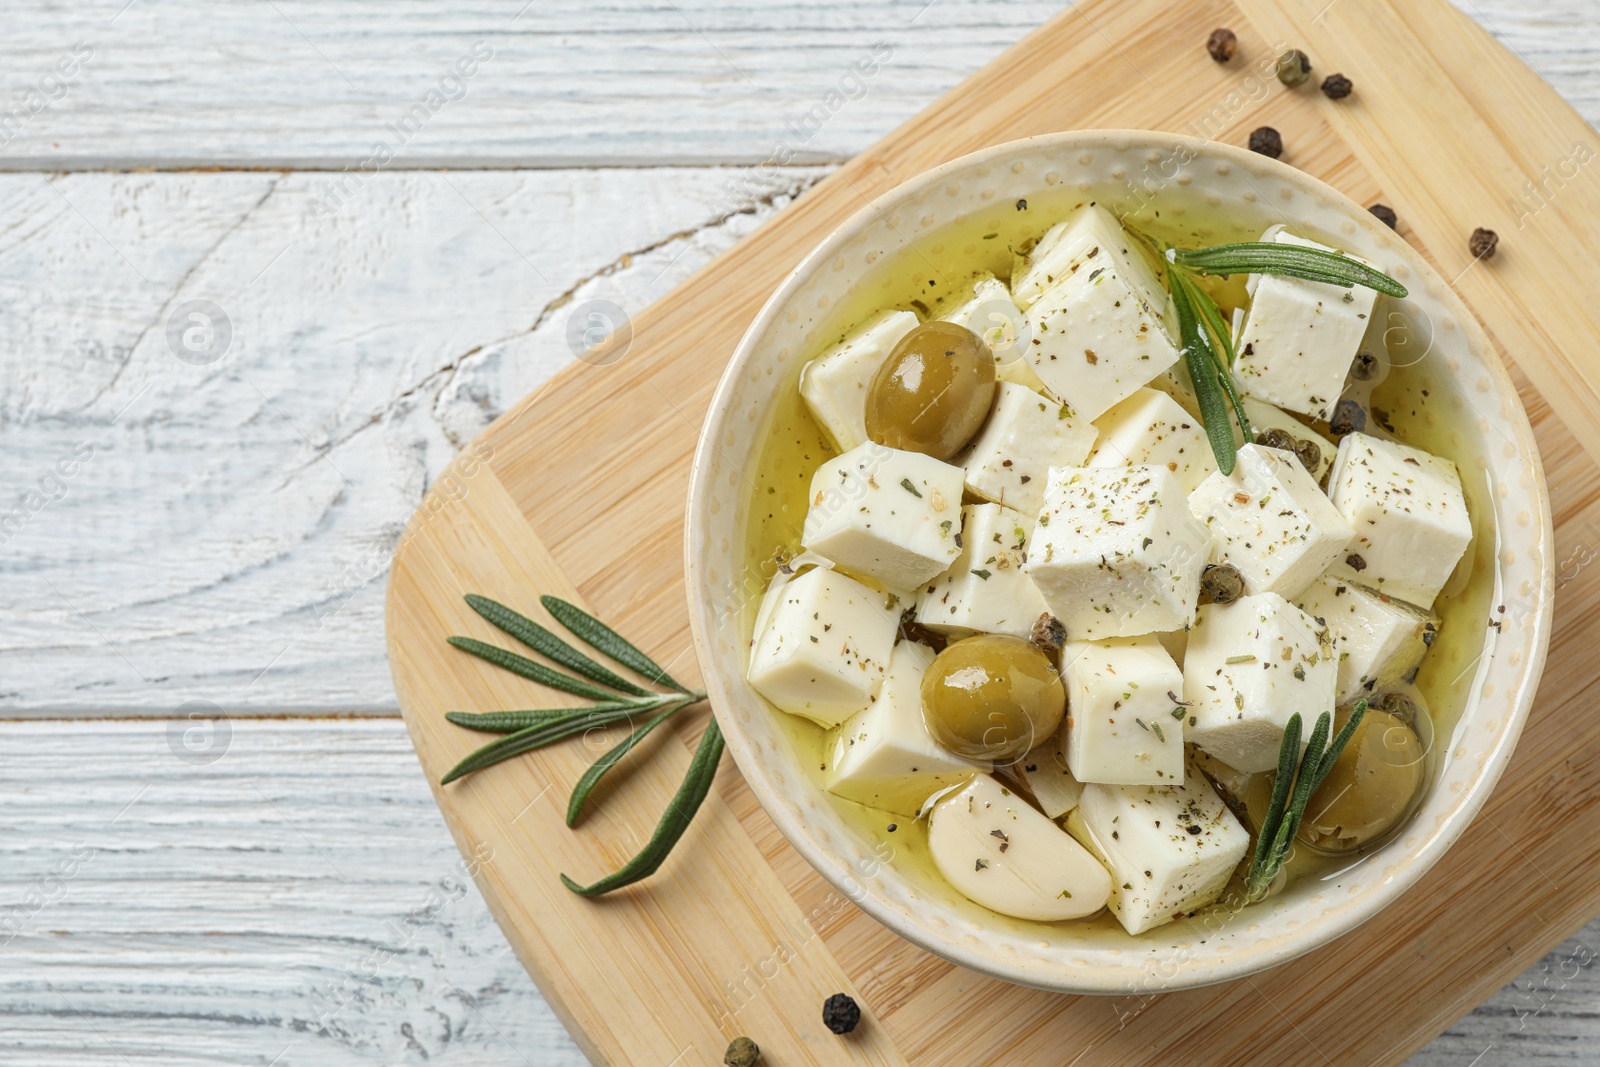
(215, 843)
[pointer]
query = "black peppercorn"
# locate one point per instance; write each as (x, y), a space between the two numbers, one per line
(1348, 417)
(1049, 633)
(1336, 87)
(1385, 214)
(1294, 67)
(1276, 438)
(1222, 582)
(840, 1013)
(1355, 562)
(1483, 243)
(1310, 454)
(1222, 44)
(1267, 141)
(742, 1052)
(1364, 367)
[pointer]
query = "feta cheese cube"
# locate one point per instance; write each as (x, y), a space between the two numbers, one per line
(1100, 331)
(1116, 553)
(996, 850)
(1380, 641)
(889, 515)
(1171, 849)
(1048, 777)
(1264, 416)
(1249, 666)
(1269, 520)
(822, 645)
(1121, 695)
(1299, 337)
(884, 757)
(1150, 427)
(994, 316)
(986, 589)
(835, 384)
(1409, 514)
(1027, 434)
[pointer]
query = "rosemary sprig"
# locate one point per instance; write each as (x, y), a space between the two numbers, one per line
(1288, 806)
(1289, 261)
(619, 701)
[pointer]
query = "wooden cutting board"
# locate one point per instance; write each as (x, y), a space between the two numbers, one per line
(579, 491)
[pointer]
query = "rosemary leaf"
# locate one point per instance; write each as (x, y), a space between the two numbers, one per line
(1304, 783)
(1219, 347)
(674, 821)
(1288, 758)
(1334, 750)
(1204, 375)
(597, 771)
(548, 644)
(1290, 261)
(606, 640)
(526, 667)
(536, 736)
(506, 722)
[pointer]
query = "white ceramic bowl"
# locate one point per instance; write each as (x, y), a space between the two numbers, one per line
(1476, 416)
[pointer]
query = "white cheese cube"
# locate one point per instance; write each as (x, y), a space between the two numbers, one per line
(1299, 338)
(1116, 553)
(835, 384)
(884, 757)
(1048, 777)
(889, 515)
(1027, 434)
(1380, 641)
(822, 645)
(996, 850)
(1150, 427)
(1264, 416)
(994, 316)
(1271, 521)
(1101, 330)
(1064, 249)
(985, 590)
(1409, 515)
(1250, 665)
(1121, 695)
(1171, 849)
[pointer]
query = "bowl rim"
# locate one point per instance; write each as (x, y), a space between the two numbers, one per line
(834, 869)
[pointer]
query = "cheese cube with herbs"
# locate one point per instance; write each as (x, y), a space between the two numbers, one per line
(1409, 514)
(985, 590)
(994, 316)
(834, 385)
(889, 515)
(1027, 434)
(1271, 521)
(884, 757)
(1265, 417)
(1171, 849)
(1100, 330)
(1124, 713)
(1379, 641)
(1299, 337)
(822, 645)
(1116, 553)
(1150, 427)
(997, 851)
(1250, 665)
(1044, 769)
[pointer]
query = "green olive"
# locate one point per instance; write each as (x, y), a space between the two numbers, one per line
(1371, 787)
(934, 391)
(992, 697)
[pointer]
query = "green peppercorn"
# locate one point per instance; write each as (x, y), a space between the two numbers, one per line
(1399, 705)
(1294, 67)
(1364, 367)
(1310, 454)
(1266, 141)
(1222, 582)
(742, 1052)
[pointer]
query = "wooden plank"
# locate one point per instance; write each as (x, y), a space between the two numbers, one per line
(552, 448)
(302, 84)
(225, 530)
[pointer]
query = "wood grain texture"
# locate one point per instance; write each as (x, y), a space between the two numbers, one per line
(551, 448)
